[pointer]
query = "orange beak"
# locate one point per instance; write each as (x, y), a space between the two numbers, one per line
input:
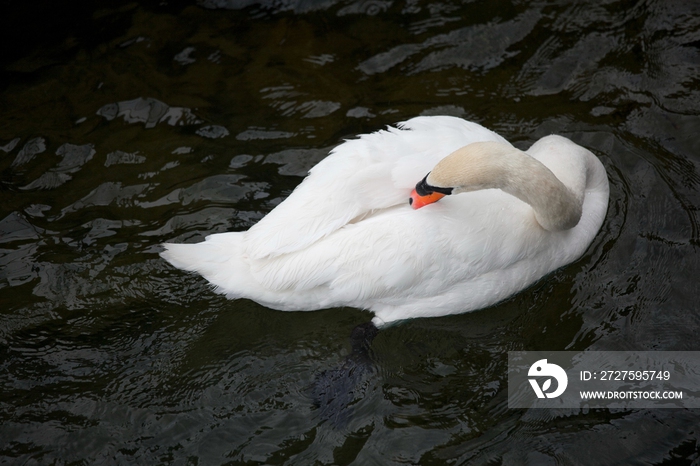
(417, 201)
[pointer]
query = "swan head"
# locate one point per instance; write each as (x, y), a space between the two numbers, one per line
(475, 166)
(424, 194)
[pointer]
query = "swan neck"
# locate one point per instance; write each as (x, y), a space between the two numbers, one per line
(489, 165)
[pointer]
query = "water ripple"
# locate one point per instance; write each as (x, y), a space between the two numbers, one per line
(141, 125)
(148, 111)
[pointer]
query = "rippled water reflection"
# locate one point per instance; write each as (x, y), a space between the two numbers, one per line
(123, 126)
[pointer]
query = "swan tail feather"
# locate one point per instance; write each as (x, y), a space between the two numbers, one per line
(219, 259)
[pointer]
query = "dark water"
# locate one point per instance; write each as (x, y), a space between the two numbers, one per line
(123, 125)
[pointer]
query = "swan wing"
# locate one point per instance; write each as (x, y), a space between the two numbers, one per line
(358, 178)
(400, 255)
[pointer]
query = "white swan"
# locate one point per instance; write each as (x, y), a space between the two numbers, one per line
(347, 235)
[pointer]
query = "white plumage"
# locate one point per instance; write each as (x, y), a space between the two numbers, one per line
(347, 236)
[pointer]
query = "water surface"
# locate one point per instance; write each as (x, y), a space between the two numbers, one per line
(126, 125)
